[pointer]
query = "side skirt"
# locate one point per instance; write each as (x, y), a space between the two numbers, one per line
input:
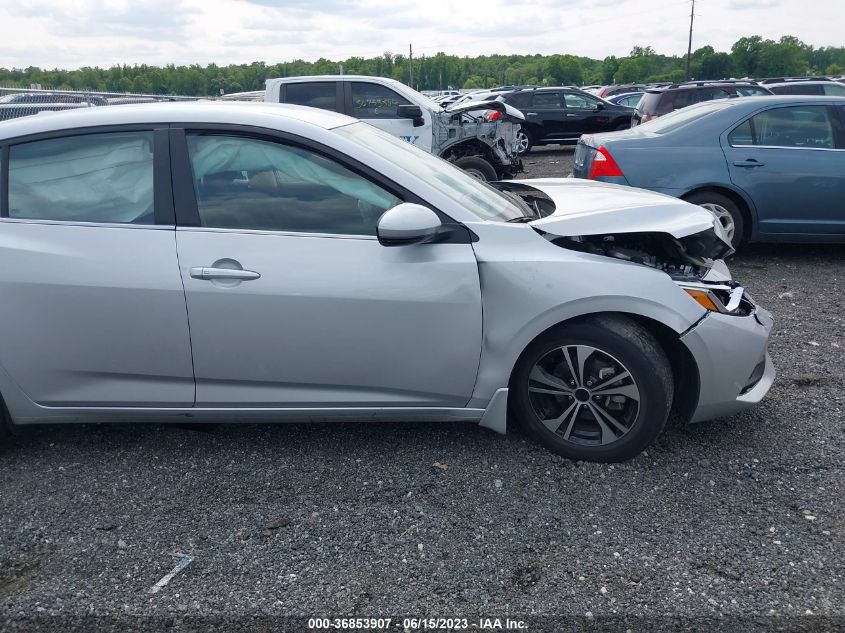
(249, 415)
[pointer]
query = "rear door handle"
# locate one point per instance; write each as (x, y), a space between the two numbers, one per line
(748, 163)
(204, 272)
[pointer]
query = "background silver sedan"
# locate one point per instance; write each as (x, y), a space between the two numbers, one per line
(237, 262)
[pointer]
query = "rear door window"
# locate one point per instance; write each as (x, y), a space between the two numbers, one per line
(521, 100)
(374, 101)
(797, 89)
(547, 100)
(315, 94)
(88, 178)
(795, 126)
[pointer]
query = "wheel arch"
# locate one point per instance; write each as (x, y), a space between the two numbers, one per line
(682, 364)
(749, 213)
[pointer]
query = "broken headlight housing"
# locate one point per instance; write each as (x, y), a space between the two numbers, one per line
(724, 298)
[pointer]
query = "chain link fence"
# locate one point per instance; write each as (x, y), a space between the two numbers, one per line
(19, 102)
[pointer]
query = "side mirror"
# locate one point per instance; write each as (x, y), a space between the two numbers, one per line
(411, 112)
(599, 106)
(407, 223)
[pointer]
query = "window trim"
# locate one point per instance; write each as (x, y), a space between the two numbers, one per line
(163, 208)
(187, 210)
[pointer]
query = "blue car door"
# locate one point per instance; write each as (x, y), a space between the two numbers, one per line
(790, 160)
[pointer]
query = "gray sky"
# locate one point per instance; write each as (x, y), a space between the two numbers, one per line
(74, 33)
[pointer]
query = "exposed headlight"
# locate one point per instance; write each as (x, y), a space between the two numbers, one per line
(719, 298)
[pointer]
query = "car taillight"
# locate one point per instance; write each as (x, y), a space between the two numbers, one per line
(647, 117)
(493, 115)
(603, 165)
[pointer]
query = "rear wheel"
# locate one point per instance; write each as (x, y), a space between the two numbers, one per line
(597, 390)
(524, 141)
(476, 167)
(726, 211)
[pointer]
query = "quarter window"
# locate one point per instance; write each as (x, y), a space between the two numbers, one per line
(89, 178)
(374, 101)
(315, 94)
(246, 183)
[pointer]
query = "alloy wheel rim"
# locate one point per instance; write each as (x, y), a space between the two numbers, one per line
(583, 395)
(521, 142)
(725, 218)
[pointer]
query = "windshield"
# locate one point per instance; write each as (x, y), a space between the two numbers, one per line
(472, 194)
(674, 120)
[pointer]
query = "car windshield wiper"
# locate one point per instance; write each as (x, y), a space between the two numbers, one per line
(522, 218)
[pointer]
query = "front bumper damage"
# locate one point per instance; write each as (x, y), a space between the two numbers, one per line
(735, 369)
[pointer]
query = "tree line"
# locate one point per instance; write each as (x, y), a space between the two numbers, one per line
(750, 56)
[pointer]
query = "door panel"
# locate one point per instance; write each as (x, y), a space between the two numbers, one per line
(94, 315)
(307, 308)
(94, 310)
(332, 321)
(546, 115)
(583, 115)
(786, 160)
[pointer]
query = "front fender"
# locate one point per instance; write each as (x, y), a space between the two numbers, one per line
(522, 298)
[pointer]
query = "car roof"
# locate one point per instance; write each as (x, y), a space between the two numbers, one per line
(703, 84)
(754, 103)
(243, 113)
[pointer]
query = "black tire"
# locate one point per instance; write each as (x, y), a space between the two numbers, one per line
(622, 125)
(4, 424)
(477, 166)
(704, 198)
(525, 135)
(636, 351)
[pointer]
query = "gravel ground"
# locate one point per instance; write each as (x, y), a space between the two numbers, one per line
(738, 517)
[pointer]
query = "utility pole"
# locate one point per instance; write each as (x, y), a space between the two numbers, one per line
(411, 62)
(689, 46)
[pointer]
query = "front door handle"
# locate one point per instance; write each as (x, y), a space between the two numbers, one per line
(750, 162)
(207, 273)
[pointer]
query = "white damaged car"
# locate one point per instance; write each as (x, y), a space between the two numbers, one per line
(242, 262)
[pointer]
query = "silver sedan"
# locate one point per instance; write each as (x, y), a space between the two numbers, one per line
(241, 262)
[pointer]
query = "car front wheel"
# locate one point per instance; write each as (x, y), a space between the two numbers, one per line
(595, 390)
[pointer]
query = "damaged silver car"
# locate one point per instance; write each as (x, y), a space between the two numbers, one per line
(241, 262)
(479, 137)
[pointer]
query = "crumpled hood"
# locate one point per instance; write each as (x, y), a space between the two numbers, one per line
(509, 112)
(587, 207)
